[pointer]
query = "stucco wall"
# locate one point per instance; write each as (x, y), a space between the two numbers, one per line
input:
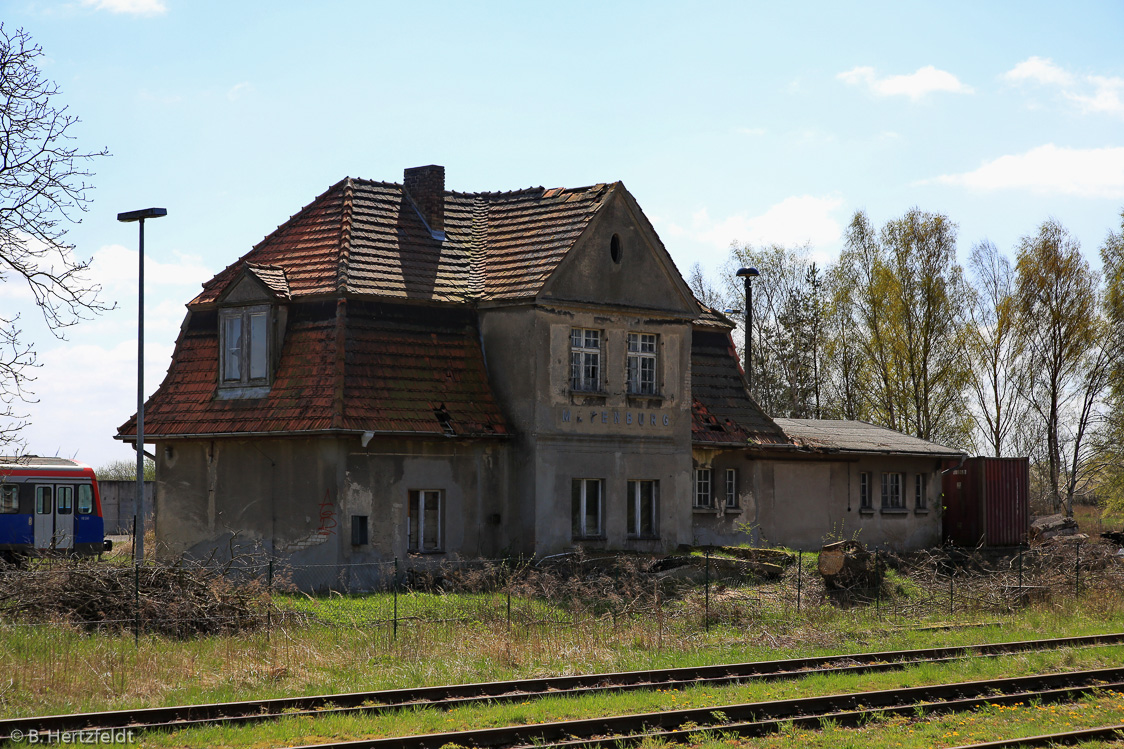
(275, 495)
(815, 501)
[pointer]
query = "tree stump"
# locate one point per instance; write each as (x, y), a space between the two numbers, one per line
(847, 565)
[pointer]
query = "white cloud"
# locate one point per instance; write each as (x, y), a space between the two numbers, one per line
(1039, 70)
(238, 90)
(915, 85)
(114, 266)
(1092, 93)
(793, 221)
(132, 7)
(1048, 169)
(84, 392)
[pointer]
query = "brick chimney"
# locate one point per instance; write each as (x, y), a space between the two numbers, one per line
(426, 187)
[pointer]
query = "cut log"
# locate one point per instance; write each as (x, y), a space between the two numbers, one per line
(847, 564)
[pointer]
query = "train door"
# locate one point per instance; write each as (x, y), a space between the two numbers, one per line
(54, 516)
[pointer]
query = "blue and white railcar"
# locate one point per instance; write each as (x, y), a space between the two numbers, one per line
(48, 506)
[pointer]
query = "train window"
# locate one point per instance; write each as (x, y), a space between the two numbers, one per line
(85, 499)
(44, 503)
(64, 500)
(9, 499)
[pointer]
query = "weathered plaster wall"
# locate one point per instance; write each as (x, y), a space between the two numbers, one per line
(472, 476)
(814, 501)
(722, 525)
(276, 495)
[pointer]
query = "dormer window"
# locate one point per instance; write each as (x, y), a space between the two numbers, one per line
(244, 346)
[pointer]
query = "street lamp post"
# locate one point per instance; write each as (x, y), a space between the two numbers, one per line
(138, 517)
(748, 274)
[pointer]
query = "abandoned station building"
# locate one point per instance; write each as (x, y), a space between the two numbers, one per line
(403, 369)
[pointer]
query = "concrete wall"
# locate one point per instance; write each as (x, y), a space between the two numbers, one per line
(118, 504)
(811, 502)
(472, 477)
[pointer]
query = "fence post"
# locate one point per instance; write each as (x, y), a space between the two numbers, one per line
(1020, 575)
(395, 589)
(706, 611)
(799, 577)
(508, 587)
(136, 604)
(950, 592)
(1077, 573)
(269, 591)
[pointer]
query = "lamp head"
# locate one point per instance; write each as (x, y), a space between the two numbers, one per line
(748, 273)
(130, 216)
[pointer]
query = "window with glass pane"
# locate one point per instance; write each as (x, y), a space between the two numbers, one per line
(585, 359)
(85, 499)
(232, 348)
(642, 363)
(865, 491)
(891, 490)
(64, 500)
(44, 501)
(585, 508)
(731, 487)
(920, 502)
(245, 345)
(643, 508)
(9, 499)
(424, 530)
(703, 497)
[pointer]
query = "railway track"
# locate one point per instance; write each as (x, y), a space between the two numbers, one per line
(763, 718)
(1103, 733)
(448, 696)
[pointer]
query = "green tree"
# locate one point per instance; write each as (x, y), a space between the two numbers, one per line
(910, 301)
(789, 313)
(125, 470)
(1064, 341)
(1112, 437)
(995, 347)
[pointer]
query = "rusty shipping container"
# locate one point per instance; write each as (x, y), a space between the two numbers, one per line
(986, 502)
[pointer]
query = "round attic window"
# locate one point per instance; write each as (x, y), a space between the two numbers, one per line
(615, 249)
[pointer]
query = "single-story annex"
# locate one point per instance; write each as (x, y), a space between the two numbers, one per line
(401, 369)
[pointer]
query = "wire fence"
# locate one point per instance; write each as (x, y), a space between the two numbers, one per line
(68, 622)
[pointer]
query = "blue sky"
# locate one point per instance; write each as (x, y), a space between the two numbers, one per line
(758, 122)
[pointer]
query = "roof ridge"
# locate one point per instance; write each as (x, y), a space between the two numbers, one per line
(345, 234)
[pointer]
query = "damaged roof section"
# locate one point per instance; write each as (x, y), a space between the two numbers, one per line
(722, 411)
(410, 372)
(830, 435)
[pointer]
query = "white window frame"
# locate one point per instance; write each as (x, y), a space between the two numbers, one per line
(251, 355)
(636, 501)
(704, 496)
(641, 366)
(579, 498)
(920, 500)
(866, 490)
(585, 360)
(892, 491)
(731, 487)
(416, 530)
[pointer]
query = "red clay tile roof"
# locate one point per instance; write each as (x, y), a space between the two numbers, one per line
(272, 277)
(721, 409)
(365, 238)
(405, 371)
